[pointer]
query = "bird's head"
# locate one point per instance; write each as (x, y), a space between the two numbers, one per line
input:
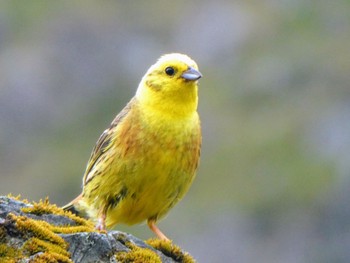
(171, 83)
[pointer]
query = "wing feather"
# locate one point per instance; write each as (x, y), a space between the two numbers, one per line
(105, 142)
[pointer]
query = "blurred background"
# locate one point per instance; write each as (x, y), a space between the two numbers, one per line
(274, 102)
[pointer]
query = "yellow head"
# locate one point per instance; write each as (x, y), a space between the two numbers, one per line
(170, 86)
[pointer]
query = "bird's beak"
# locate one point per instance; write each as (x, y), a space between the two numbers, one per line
(191, 74)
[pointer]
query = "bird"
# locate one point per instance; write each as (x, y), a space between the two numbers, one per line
(146, 160)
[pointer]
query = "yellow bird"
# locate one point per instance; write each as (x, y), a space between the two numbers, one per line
(145, 162)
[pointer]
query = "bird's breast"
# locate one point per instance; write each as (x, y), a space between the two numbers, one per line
(162, 160)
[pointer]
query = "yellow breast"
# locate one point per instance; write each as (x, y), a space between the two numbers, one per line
(156, 166)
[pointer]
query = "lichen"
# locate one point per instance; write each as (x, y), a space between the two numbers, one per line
(171, 250)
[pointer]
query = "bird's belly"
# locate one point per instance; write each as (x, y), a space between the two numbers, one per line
(154, 174)
(150, 192)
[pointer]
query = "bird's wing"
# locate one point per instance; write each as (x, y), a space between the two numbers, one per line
(104, 143)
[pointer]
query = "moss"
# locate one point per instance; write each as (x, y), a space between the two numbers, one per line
(44, 207)
(9, 254)
(138, 255)
(2, 235)
(37, 228)
(71, 229)
(35, 245)
(18, 198)
(50, 258)
(43, 244)
(40, 238)
(170, 250)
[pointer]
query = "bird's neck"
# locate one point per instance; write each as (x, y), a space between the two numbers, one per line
(176, 106)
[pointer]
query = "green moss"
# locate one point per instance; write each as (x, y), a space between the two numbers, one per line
(170, 250)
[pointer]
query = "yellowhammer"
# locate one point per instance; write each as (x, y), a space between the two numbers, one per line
(145, 162)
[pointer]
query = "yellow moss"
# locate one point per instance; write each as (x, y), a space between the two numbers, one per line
(17, 198)
(138, 255)
(89, 225)
(2, 234)
(171, 250)
(44, 207)
(41, 239)
(37, 228)
(42, 236)
(35, 245)
(9, 254)
(47, 246)
(70, 229)
(50, 258)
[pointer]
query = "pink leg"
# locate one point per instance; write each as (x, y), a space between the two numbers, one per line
(152, 225)
(101, 223)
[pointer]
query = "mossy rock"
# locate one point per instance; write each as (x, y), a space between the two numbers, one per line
(42, 232)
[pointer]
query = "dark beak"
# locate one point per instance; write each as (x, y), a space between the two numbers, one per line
(191, 74)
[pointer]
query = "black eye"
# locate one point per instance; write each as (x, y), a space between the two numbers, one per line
(170, 71)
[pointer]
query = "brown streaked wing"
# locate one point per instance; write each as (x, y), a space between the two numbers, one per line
(104, 142)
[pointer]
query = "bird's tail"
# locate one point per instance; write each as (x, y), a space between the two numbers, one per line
(75, 207)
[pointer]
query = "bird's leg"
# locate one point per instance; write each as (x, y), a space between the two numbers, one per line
(152, 225)
(101, 223)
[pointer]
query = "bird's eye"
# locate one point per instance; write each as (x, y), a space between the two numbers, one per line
(170, 71)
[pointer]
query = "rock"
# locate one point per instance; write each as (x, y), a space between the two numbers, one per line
(43, 232)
